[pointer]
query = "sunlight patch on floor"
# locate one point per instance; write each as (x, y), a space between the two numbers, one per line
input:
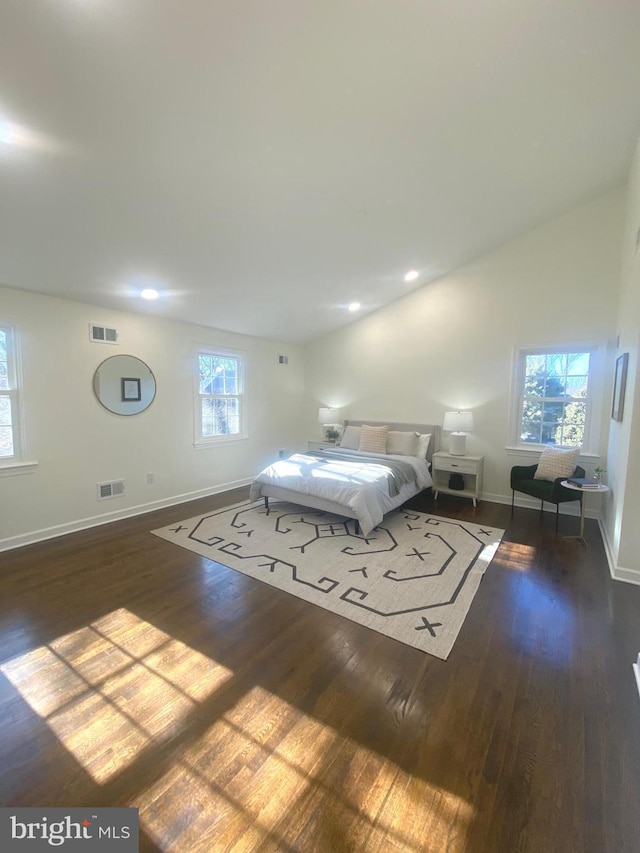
(512, 555)
(488, 553)
(114, 687)
(266, 773)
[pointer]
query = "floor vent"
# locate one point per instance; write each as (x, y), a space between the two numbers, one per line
(110, 490)
(102, 334)
(283, 359)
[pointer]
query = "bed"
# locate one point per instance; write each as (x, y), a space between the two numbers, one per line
(350, 483)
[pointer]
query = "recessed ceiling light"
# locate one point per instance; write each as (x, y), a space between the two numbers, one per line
(149, 293)
(355, 306)
(412, 275)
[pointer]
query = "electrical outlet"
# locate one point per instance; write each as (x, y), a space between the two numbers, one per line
(151, 477)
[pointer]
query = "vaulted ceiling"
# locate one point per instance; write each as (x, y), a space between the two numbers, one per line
(264, 163)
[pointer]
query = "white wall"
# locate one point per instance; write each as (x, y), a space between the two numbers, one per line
(622, 509)
(78, 443)
(450, 344)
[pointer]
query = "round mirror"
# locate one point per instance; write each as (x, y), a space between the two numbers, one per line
(124, 385)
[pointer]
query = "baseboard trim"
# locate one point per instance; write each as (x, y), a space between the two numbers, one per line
(107, 518)
(626, 575)
(618, 573)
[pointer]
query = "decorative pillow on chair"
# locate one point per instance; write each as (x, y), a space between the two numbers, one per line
(351, 438)
(373, 439)
(557, 462)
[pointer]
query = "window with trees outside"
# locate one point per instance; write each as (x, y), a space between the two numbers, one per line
(220, 396)
(555, 397)
(9, 432)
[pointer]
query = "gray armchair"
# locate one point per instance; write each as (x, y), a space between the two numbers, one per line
(522, 480)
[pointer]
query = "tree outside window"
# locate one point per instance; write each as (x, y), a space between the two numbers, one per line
(220, 392)
(555, 398)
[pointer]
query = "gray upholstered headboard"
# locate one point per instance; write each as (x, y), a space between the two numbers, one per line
(425, 429)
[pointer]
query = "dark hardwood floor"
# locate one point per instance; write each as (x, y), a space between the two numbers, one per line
(236, 717)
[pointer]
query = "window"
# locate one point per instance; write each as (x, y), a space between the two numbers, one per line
(9, 422)
(554, 397)
(220, 396)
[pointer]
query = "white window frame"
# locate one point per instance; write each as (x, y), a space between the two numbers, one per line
(203, 441)
(595, 400)
(14, 464)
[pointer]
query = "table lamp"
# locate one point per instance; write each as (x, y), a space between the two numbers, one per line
(458, 424)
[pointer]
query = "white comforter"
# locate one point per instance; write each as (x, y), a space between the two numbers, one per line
(361, 486)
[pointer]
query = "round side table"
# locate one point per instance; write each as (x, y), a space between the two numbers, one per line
(600, 490)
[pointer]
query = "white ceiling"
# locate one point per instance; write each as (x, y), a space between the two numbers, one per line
(263, 163)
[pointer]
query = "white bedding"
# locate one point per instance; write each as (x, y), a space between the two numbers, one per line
(360, 486)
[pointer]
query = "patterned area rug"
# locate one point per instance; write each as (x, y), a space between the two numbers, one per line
(413, 577)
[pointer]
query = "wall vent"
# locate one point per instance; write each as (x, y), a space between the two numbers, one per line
(283, 359)
(102, 334)
(110, 490)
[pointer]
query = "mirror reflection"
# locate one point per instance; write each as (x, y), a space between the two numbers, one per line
(124, 385)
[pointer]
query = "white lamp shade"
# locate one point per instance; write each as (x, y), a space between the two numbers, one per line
(327, 415)
(458, 422)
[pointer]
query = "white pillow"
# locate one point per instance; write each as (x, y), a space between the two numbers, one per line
(402, 443)
(556, 462)
(373, 439)
(423, 445)
(351, 438)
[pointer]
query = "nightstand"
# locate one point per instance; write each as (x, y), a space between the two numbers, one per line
(321, 445)
(444, 464)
